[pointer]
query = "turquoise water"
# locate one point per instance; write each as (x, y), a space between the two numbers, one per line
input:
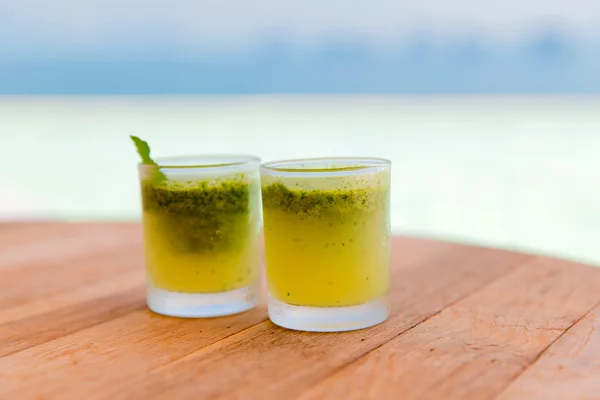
(514, 172)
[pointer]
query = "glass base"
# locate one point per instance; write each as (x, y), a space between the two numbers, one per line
(201, 305)
(328, 319)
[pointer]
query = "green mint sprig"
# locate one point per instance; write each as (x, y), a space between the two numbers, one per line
(143, 150)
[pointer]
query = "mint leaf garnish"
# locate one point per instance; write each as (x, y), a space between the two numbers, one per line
(143, 150)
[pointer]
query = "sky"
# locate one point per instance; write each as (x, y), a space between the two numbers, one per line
(227, 46)
(79, 24)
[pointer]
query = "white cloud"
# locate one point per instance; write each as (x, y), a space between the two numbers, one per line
(83, 23)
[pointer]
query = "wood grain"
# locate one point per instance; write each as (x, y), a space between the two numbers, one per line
(570, 369)
(476, 347)
(467, 323)
(62, 242)
(299, 360)
(154, 341)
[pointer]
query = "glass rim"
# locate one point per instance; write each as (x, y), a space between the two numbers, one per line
(201, 161)
(354, 165)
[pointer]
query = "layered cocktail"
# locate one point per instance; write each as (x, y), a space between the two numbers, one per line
(327, 242)
(201, 223)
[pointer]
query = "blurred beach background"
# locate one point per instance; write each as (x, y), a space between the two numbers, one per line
(490, 113)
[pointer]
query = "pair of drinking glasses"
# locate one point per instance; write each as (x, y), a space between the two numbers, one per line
(326, 239)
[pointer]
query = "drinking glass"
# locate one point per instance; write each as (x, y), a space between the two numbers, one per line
(327, 242)
(201, 224)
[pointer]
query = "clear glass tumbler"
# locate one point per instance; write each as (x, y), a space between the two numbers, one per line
(201, 224)
(327, 242)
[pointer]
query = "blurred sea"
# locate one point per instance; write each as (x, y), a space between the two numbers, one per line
(516, 172)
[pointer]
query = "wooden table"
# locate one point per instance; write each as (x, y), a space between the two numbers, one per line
(467, 323)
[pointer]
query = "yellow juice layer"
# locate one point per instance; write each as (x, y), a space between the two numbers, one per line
(202, 236)
(213, 271)
(327, 259)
